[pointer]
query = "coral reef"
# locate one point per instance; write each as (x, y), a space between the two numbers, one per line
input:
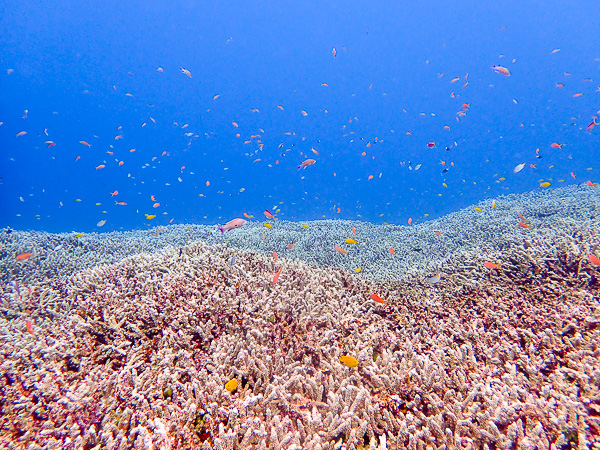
(137, 353)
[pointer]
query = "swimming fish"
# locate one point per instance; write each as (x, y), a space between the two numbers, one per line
(523, 225)
(358, 270)
(501, 70)
(378, 299)
(354, 231)
(21, 133)
(545, 184)
(232, 224)
(269, 214)
(275, 255)
(491, 265)
(518, 168)
(150, 216)
(232, 384)
(186, 72)
(305, 164)
(433, 280)
(340, 249)
(276, 277)
(23, 256)
(267, 225)
(392, 251)
(305, 226)
(350, 241)
(594, 259)
(556, 145)
(349, 361)
(29, 327)
(101, 223)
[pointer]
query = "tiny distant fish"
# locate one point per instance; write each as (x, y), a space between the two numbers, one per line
(101, 223)
(186, 72)
(232, 261)
(340, 249)
(276, 277)
(58, 247)
(491, 265)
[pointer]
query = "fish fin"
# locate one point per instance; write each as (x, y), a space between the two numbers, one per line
(221, 230)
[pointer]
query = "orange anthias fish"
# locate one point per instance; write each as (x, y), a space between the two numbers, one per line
(112, 194)
(269, 214)
(305, 164)
(275, 255)
(556, 145)
(392, 251)
(523, 225)
(378, 299)
(491, 265)
(186, 72)
(431, 144)
(85, 143)
(121, 203)
(340, 249)
(101, 166)
(23, 256)
(276, 277)
(29, 327)
(501, 70)
(231, 225)
(594, 259)
(591, 126)
(354, 231)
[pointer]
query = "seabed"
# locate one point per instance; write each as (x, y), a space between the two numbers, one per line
(132, 340)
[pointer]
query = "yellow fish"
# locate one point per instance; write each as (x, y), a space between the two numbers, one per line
(150, 216)
(268, 225)
(358, 270)
(305, 226)
(350, 241)
(78, 235)
(349, 361)
(545, 184)
(231, 385)
(478, 209)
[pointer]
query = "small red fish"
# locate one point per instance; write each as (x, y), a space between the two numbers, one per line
(276, 277)
(340, 249)
(594, 259)
(275, 255)
(334, 52)
(556, 145)
(23, 256)
(591, 126)
(439, 233)
(269, 214)
(590, 183)
(378, 299)
(409, 220)
(522, 217)
(431, 144)
(29, 327)
(112, 194)
(101, 166)
(491, 265)
(291, 246)
(392, 251)
(354, 231)
(523, 225)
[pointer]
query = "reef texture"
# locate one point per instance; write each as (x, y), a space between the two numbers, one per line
(136, 354)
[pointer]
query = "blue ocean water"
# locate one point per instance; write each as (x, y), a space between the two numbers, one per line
(402, 72)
